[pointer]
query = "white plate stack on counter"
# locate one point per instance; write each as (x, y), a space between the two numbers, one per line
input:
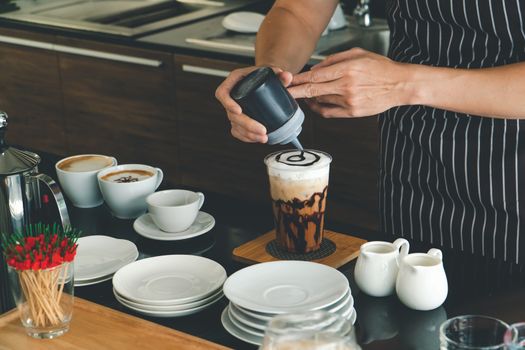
(99, 257)
(259, 292)
(169, 285)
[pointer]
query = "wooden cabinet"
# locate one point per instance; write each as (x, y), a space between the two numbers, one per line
(210, 158)
(118, 101)
(30, 91)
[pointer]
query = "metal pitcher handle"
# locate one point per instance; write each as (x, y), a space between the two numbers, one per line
(59, 198)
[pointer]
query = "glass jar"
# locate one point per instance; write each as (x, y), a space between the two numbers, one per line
(44, 299)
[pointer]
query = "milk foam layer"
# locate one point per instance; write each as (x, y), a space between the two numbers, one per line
(125, 176)
(289, 182)
(298, 165)
(85, 163)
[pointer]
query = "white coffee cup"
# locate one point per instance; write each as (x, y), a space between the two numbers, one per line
(77, 176)
(174, 210)
(127, 200)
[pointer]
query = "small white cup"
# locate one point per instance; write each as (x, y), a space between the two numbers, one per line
(81, 187)
(174, 210)
(127, 200)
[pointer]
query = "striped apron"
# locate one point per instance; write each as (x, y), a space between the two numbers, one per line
(450, 179)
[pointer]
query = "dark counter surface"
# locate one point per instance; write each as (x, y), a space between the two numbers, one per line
(477, 285)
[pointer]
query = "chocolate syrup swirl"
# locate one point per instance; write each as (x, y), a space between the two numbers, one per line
(298, 218)
(297, 158)
(126, 179)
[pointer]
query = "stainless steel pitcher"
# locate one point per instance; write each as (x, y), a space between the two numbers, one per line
(20, 199)
(20, 186)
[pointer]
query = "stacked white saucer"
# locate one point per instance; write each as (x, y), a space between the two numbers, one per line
(169, 285)
(259, 292)
(99, 257)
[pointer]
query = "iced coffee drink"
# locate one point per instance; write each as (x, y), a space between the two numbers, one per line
(298, 187)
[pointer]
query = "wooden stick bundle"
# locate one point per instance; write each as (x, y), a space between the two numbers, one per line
(43, 291)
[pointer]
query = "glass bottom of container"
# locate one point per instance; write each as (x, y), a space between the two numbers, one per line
(47, 333)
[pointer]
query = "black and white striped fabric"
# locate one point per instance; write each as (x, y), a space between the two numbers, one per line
(447, 178)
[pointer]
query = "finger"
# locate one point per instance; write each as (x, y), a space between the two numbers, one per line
(328, 111)
(321, 75)
(223, 90)
(286, 78)
(310, 90)
(246, 135)
(235, 133)
(247, 123)
(340, 56)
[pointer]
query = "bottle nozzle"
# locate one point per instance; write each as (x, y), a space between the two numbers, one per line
(297, 144)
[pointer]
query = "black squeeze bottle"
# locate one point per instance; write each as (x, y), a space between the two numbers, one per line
(263, 97)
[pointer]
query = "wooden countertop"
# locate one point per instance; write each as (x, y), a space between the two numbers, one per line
(97, 327)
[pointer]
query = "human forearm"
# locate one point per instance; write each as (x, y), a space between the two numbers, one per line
(495, 92)
(290, 32)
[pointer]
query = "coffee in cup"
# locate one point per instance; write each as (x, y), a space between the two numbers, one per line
(77, 176)
(125, 176)
(125, 188)
(174, 210)
(298, 188)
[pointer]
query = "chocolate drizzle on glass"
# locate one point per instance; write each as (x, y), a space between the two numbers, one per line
(298, 158)
(301, 222)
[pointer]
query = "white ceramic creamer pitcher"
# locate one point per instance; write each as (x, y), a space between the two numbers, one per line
(421, 282)
(377, 266)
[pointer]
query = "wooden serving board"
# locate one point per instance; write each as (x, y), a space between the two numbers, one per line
(347, 249)
(97, 327)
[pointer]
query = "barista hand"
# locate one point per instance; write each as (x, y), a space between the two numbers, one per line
(353, 83)
(243, 127)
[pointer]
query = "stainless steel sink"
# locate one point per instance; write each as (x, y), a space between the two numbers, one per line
(121, 17)
(375, 38)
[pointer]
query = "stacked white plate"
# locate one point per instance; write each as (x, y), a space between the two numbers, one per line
(259, 292)
(99, 257)
(169, 285)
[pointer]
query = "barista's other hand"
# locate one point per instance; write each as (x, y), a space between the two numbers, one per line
(353, 83)
(243, 127)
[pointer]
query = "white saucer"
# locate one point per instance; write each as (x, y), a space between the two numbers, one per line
(216, 295)
(236, 332)
(93, 281)
(101, 256)
(243, 22)
(169, 279)
(244, 327)
(145, 227)
(170, 313)
(237, 314)
(346, 302)
(286, 286)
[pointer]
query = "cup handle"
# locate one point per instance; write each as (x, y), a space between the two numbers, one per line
(59, 198)
(435, 252)
(114, 161)
(160, 176)
(201, 199)
(402, 244)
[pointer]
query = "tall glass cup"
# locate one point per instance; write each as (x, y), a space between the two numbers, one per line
(315, 330)
(298, 187)
(470, 332)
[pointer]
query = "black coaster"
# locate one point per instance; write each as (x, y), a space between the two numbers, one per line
(327, 248)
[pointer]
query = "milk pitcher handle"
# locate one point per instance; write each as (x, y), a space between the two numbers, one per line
(59, 198)
(402, 244)
(435, 252)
